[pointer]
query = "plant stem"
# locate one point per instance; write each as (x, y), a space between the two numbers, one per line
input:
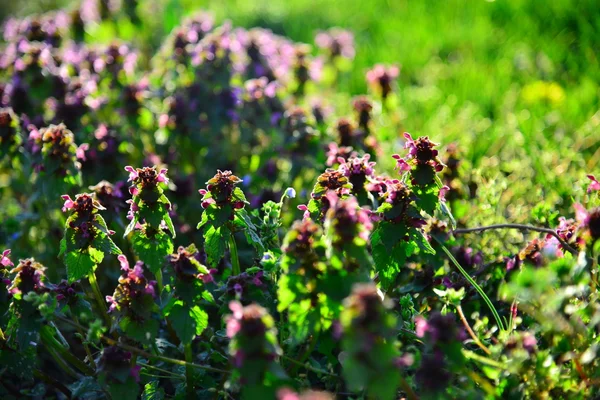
(235, 261)
(99, 299)
(549, 231)
(478, 342)
(189, 371)
(85, 346)
(484, 360)
(410, 393)
(145, 354)
(52, 382)
(307, 352)
(61, 363)
(473, 283)
(164, 371)
(47, 337)
(159, 282)
(310, 368)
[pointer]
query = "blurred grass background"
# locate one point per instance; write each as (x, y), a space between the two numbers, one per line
(514, 83)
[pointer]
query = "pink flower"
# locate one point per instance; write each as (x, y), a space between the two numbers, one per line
(287, 394)
(69, 203)
(420, 326)
(208, 278)
(123, 261)
(133, 190)
(133, 174)
(594, 186)
(80, 152)
(442, 194)
(4, 260)
(135, 372)
(303, 207)
(233, 321)
(162, 177)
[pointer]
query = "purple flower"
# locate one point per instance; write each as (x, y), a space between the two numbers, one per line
(338, 42)
(69, 203)
(381, 78)
(4, 260)
(594, 185)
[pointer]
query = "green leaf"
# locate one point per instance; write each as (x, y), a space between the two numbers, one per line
(104, 243)
(214, 245)
(251, 231)
(200, 318)
(79, 264)
(124, 391)
(427, 198)
(131, 225)
(169, 223)
(63, 247)
(153, 392)
(422, 242)
(100, 224)
(152, 251)
(142, 332)
(183, 322)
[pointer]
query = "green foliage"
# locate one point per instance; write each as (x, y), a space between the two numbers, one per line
(152, 250)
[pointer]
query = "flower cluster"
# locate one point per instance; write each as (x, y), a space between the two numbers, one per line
(422, 159)
(337, 42)
(368, 334)
(253, 345)
(301, 246)
(594, 185)
(84, 209)
(221, 191)
(110, 196)
(589, 222)
(187, 266)
(56, 150)
(336, 153)
(363, 108)
(381, 78)
(29, 277)
(348, 223)
(442, 335)
(149, 207)
(135, 294)
(114, 365)
(359, 170)
(400, 204)
(240, 286)
(330, 180)
(86, 235)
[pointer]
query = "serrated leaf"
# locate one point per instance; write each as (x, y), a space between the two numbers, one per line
(251, 231)
(104, 243)
(79, 264)
(153, 392)
(131, 226)
(214, 245)
(152, 251)
(63, 247)
(200, 318)
(100, 224)
(142, 332)
(169, 223)
(423, 243)
(427, 198)
(183, 322)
